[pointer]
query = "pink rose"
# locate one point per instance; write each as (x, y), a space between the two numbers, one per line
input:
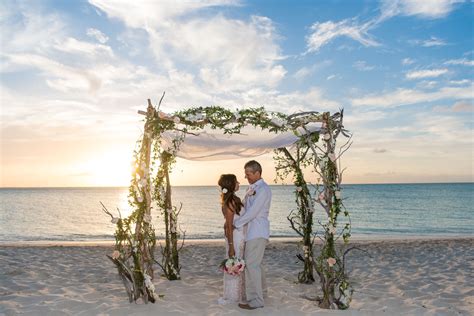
(331, 261)
(115, 254)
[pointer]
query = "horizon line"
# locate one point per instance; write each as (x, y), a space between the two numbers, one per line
(211, 185)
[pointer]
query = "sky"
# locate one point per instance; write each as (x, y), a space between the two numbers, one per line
(73, 75)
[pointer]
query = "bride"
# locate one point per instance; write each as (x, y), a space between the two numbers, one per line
(234, 287)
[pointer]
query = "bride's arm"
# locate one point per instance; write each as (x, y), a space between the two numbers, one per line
(229, 232)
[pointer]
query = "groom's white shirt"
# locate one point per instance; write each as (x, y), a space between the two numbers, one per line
(257, 207)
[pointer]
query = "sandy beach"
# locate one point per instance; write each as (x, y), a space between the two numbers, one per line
(400, 277)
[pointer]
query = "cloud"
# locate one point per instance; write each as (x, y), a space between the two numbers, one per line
(433, 41)
(26, 26)
(362, 66)
(460, 82)
(323, 33)
(313, 99)
(459, 106)
(427, 84)
(430, 73)
(306, 71)
(89, 50)
(463, 106)
(153, 14)
(462, 62)
(98, 35)
(303, 73)
(412, 96)
(407, 61)
(59, 76)
(228, 54)
(433, 9)
(359, 119)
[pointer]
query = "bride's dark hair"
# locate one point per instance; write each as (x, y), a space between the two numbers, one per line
(229, 199)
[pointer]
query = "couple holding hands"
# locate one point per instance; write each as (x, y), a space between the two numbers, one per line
(247, 230)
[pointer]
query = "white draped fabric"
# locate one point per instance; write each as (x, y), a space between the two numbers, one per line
(251, 142)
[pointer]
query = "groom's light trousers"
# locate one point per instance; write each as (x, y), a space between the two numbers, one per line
(254, 273)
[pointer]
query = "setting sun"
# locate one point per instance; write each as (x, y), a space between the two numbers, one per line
(110, 168)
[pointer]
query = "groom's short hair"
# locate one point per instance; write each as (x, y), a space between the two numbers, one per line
(254, 166)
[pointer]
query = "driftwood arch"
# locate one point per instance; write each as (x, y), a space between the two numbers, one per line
(134, 254)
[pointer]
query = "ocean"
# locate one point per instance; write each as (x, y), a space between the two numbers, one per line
(377, 210)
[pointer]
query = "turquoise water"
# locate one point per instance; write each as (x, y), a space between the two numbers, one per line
(381, 209)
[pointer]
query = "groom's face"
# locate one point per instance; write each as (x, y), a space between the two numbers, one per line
(251, 176)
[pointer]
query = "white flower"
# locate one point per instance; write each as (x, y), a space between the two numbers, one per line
(114, 220)
(140, 199)
(337, 194)
(137, 190)
(332, 156)
(277, 122)
(148, 283)
(115, 254)
(224, 190)
(147, 218)
(199, 116)
(332, 229)
(142, 182)
(299, 189)
(237, 115)
(176, 120)
(327, 136)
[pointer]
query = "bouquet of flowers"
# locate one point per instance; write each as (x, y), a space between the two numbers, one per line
(233, 266)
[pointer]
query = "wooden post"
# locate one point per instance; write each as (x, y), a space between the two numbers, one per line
(170, 252)
(328, 279)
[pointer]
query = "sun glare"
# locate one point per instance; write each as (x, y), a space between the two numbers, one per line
(112, 168)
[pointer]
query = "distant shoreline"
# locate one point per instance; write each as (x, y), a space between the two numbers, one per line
(110, 243)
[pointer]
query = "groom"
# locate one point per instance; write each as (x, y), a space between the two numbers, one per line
(257, 206)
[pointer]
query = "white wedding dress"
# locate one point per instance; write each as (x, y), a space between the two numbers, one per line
(234, 285)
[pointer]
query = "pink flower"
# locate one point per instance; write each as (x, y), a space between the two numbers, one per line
(331, 261)
(162, 115)
(321, 197)
(115, 254)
